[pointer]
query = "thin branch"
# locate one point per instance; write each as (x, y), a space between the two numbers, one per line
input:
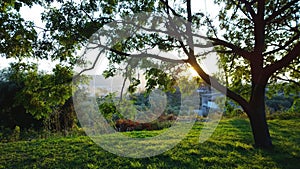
(232, 62)
(278, 12)
(212, 27)
(285, 61)
(185, 50)
(123, 84)
(170, 8)
(183, 47)
(249, 8)
(208, 45)
(245, 54)
(142, 55)
(88, 15)
(90, 68)
(288, 80)
(298, 71)
(148, 29)
(190, 40)
(215, 41)
(284, 46)
(240, 8)
(44, 29)
(215, 51)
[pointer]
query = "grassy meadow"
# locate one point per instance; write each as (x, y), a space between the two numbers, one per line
(229, 147)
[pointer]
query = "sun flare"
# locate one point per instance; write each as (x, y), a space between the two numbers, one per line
(193, 72)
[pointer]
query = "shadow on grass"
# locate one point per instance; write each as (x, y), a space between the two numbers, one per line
(229, 147)
(285, 135)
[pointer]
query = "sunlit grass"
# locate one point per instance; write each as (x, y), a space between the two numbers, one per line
(229, 147)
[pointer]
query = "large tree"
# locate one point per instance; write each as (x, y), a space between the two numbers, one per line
(261, 45)
(260, 42)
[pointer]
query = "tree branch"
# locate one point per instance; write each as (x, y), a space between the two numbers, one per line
(215, 51)
(298, 71)
(278, 12)
(170, 8)
(215, 84)
(289, 80)
(240, 8)
(245, 54)
(143, 55)
(123, 84)
(183, 47)
(249, 8)
(90, 68)
(284, 46)
(285, 61)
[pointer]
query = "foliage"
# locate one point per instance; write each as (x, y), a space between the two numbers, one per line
(35, 97)
(296, 106)
(107, 107)
(260, 44)
(279, 103)
(157, 78)
(288, 91)
(30, 134)
(42, 92)
(280, 36)
(229, 147)
(283, 115)
(18, 36)
(13, 114)
(16, 133)
(235, 112)
(162, 122)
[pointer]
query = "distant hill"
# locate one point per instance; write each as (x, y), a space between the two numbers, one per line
(101, 86)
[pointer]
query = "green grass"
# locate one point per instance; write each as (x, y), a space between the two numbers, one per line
(229, 147)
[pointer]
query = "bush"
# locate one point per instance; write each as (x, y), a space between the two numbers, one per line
(20, 134)
(11, 114)
(10, 135)
(283, 115)
(5, 134)
(279, 103)
(16, 134)
(164, 121)
(296, 106)
(235, 113)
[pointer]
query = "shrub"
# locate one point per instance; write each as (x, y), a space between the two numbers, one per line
(295, 107)
(5, 134)
(164, 121)
(283, 115)
(16, 134)
(235, 113)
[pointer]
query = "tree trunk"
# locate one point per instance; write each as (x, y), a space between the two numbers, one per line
(257, 116)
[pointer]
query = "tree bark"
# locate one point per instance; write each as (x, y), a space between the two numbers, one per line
(257, 116)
